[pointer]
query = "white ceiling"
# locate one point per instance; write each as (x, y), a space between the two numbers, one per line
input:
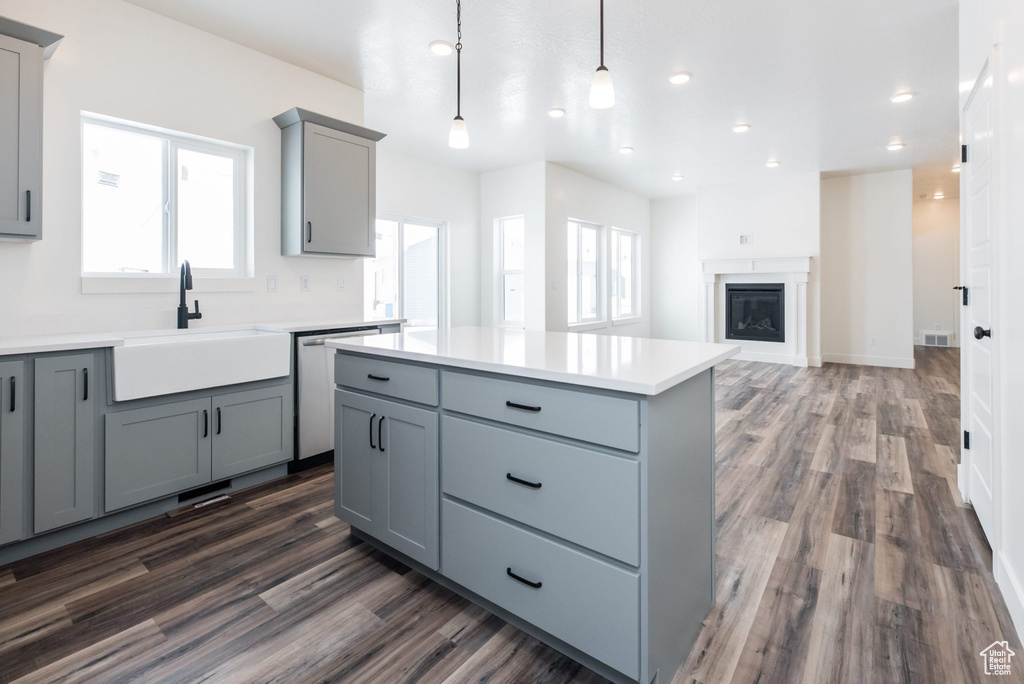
(812, 77)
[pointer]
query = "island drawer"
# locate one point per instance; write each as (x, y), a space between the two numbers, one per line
(588, 498)
(586, 602)
(582, 415)
(399, 380)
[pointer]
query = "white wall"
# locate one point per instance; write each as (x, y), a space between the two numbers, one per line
(782, 214)
(517, 191)
(936, 266)
(867, 286)
(415, 187)
(573, 195)
(983, 25)
(676, 284)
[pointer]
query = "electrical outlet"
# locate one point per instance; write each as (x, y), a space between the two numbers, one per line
(304, 283)
(874, 341)
(341, 283)
(937, 326)
(746, 239)
(271, 283)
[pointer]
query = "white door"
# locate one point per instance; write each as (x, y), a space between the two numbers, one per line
(979, 408)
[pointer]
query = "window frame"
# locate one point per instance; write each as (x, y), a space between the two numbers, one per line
(442, 264)
(601, 319)
(502, 271)
(242, 230)
(636, 314)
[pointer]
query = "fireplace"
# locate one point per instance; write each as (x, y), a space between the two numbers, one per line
(755, 312)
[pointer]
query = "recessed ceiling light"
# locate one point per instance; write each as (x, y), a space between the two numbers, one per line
(626, 149)
(773, 163)
(680, 77)
(741, 128)
(905, 96)
(956, 169)
(894, 146)
(442, 48)
(677, 177)
(556, 112)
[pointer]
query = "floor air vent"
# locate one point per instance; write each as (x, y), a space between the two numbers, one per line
(936, 339)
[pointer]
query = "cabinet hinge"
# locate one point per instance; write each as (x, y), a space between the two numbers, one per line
(967, 439)
(963, 154)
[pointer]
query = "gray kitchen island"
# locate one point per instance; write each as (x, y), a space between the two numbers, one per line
(563, 481)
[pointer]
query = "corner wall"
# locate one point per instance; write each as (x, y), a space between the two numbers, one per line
(676, 285)
(936, 267)
(867, 284)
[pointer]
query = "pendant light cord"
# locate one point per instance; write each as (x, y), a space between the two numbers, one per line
(458, 59)
(602, 33)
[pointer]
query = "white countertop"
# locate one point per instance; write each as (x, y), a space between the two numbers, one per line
(626, 364)
(37, 344)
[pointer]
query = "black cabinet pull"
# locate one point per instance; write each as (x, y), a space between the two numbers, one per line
(220, 423)
(535, 585)
(13, 395)
(512, 478)
(85, 376)
(206, 423)
(28, 206)
(372, 445)
(380, 440)
(980, 333)
(309, 231)
(381, 378)
(523, 407)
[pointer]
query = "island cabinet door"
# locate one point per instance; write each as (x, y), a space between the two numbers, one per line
(409, 505)
(12, 450)
(357, 460)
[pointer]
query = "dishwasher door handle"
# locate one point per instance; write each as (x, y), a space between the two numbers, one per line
(314, 342)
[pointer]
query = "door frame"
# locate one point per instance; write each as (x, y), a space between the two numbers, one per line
(988, 71)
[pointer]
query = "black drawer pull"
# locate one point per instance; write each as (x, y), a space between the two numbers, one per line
(535, 585)
(372, 445)
(309, 232)
(523, 407)
(220, 423)
(28, 206)
(85, 377)
(512, 478)
(13, 396)
(381, 378)
(206, 423)
(380, 440)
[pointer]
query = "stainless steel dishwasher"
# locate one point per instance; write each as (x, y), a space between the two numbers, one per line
(314, 427)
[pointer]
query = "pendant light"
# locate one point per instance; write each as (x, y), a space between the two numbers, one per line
(458, 136)
(602, 95)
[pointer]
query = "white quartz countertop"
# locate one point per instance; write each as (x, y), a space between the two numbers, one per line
(37, 344)
(625, 364)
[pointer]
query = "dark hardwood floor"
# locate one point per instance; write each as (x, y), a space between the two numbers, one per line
(844, 555)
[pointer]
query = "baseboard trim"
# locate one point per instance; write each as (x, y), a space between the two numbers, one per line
(857, 360)
(814, 362)
(1013, 594)
(763, 357)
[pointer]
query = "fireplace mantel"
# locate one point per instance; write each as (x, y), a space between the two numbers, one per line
(795, 270)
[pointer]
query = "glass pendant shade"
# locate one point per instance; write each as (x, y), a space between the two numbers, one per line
(602, 94)
(458, 136)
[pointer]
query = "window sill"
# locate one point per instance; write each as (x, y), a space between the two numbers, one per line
(162, 284)
(630, 320)
(589, 325)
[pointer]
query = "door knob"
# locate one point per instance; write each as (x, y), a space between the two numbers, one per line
(980, 332)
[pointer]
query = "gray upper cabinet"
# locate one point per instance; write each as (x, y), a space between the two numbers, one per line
(22, 50)
(157, 451)
(12, 450)
(252, 430)
(328, 186)
(65, 446)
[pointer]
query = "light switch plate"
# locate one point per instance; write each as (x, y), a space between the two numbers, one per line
(341, 283)
(271, 283)
(746, 239)
(304, 283)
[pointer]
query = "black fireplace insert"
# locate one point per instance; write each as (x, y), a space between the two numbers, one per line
(755, 312)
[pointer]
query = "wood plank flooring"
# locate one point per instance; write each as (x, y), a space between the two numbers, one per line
(844, 555)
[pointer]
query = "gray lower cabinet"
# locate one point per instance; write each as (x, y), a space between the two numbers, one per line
(156, 452)
(254, 429)
(386, 473)
(12, 450)
(65, 449)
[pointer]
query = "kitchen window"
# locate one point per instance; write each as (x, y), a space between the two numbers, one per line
(584, 273)
(625, 275)
(151, 199)
(406, 279)
(512, 241)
